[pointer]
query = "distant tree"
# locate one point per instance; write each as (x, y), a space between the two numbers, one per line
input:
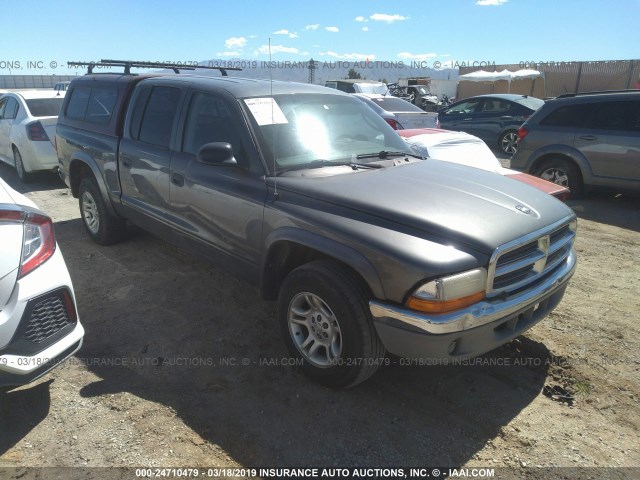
(353, 74)
(383, 80)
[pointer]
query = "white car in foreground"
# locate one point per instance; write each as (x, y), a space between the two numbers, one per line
(28, 121)
(39, 324)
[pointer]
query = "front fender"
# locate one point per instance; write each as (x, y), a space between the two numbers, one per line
(325, 246)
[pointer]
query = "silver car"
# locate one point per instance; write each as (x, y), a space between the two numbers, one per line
(587, 140)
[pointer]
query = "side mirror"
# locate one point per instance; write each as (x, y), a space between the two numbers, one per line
(217, 153)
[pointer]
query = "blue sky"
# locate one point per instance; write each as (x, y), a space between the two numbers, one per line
(47, 33)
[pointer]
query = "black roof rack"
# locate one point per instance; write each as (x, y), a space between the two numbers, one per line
(129, 64)
(567, 95)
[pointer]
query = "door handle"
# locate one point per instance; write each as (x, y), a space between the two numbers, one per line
(467, 119)
(125, 161)
(588, 137)
(504, 117)
(177, 179)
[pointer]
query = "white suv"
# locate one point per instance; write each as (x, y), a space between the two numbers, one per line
(39, 324)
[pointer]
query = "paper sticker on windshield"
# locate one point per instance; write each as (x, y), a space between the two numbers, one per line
(266, 111)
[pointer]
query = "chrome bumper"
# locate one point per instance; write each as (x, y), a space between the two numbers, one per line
(482, 313)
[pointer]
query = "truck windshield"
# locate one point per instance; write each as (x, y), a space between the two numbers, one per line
(298, 129)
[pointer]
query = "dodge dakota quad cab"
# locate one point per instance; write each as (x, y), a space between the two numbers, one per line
(305, 192)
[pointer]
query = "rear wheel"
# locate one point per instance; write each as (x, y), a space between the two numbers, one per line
(25, 176)
(102, 226)
(323, 309)
(507, 142)
(562, 172)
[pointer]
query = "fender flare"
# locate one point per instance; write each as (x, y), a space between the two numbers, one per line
(326, 246)
(561, 151)
(91, 164)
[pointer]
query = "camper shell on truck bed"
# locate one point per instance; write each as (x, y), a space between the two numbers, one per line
(308, 194)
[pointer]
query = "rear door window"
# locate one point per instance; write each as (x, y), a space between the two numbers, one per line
(158, 116)
(464, 107)
(496, 106)
(573, 116)
(618, 116)
(10, 109)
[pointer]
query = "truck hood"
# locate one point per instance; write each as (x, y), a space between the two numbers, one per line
(441, 201)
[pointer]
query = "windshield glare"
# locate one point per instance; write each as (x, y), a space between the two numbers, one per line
(323, 127)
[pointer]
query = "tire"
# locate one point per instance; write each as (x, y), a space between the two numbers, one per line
(102, 226)
(24, 176)
(507, 142)
(322, 303)
(562, 172)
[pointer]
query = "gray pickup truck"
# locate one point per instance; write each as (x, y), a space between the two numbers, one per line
(308, 194)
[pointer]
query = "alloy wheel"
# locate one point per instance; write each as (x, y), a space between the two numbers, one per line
(314, 329)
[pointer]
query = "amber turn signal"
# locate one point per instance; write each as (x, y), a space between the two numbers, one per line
(443, 306)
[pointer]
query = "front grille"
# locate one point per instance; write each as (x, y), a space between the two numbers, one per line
(46, 317)
(524, 263)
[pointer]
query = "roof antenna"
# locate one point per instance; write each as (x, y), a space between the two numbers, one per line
(273, 130)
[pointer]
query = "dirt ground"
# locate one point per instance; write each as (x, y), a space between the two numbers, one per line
(183, 366)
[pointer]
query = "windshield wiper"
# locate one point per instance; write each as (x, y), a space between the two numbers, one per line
(384, 154)
(328, 163)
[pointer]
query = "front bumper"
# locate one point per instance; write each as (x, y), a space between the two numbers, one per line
(23, 369)
(471, 331)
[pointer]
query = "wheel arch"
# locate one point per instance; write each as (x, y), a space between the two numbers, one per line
(25, 163)
(567, 154)
(79, 167)
(289, 247)
(510, 128)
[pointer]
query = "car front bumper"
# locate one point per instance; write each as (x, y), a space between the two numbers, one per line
(471, 331)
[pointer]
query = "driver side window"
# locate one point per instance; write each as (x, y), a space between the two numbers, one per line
(210, 120)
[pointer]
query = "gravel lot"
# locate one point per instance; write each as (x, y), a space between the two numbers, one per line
(183, 365)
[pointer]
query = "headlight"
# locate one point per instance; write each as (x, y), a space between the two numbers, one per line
(451, 293)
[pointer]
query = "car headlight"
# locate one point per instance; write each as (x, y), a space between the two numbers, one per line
(451, 293)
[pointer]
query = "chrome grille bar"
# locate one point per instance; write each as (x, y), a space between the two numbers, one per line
(520, 264)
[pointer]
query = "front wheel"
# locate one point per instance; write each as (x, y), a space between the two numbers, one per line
(507, 142)
(103, 227)
(24, 176)
(323, 310)
(562, 172)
